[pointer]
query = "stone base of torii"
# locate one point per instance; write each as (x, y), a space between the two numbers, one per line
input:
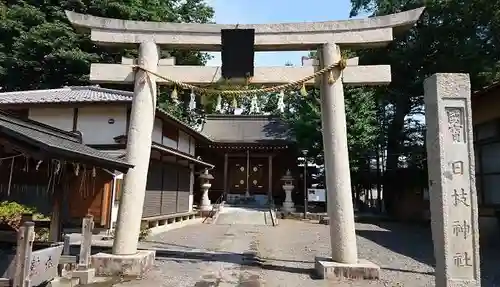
(328, 36)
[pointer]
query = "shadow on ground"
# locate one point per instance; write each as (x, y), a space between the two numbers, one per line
(247, 259)
(408, 240)
(415, 241)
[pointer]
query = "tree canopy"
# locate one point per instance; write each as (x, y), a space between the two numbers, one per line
(39, 48)
(452, 36)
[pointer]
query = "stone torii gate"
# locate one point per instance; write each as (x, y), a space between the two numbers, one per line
(326, 37)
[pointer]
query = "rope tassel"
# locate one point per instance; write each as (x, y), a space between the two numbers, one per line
(174, 96)
(253, 105)
(192, 101)
(235, 103)
(340, 64)
(303, 91)
(281, 101)
(218, 105)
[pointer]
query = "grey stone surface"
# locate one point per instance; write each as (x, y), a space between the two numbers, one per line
(337, 172)
(139, 138)
(452, 188)
(242, 215)
(84, 276)
(137, 264)
(204, 75)
(376, 31)
(200, 255)
(363, 269)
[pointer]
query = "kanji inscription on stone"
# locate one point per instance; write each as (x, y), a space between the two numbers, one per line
(456, 124)
(461, 228)
(452, 190)
(460, 196)
(462, 259)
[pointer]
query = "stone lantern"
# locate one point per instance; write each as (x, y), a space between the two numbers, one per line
(288, 205)
(205, 185)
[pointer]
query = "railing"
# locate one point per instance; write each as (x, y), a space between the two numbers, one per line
(271, 209)
(215, 207)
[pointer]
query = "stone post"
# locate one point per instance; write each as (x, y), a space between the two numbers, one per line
(86, 244)
(338, 176)
(138, 152)
(452, 188)
(288, 204)
(344, 262)
(84, 272)
(205, 185)
(25, 238)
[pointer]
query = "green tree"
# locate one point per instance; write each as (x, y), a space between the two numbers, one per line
(451, 36)
(39, 49)
(303, 114)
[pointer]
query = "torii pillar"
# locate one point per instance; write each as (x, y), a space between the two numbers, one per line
(330, 36)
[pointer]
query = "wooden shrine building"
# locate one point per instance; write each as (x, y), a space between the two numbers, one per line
(53, 172)
(250, 153)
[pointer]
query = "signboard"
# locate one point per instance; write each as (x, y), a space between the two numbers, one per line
(316, 195)
(43, 266)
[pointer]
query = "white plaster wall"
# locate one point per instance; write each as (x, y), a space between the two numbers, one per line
(191, 187)
(169, 142)
(93, 123)
(61, 117)
(193, 146)
(157, 131)
(183, 142)
(116, 205)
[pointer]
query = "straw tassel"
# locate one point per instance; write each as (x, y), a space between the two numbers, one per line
(303, 91)
(281, 102)
(253, 104)
(235, 103)
(218, 104)
(192, 101)
(174, 96)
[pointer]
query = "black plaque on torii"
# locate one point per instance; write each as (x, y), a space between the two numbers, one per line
(237, 53)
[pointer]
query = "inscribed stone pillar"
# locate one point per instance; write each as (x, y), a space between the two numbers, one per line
(338, 177)
(138, 152)
(452, 189)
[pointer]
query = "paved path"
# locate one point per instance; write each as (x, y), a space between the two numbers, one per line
(241, 215)
(248, 255)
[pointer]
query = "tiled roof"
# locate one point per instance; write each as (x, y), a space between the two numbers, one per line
(73, 95)
(246, 129)
(83, 94)
(56, 142)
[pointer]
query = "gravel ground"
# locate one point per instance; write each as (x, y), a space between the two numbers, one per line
(208, 255)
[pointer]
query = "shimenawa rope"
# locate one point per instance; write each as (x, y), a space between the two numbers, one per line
(341, 64)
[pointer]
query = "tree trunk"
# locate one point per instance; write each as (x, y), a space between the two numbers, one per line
(394, 142)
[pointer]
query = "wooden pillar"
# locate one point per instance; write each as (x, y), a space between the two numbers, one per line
(225, 172)
(55, 218)
(270, 174)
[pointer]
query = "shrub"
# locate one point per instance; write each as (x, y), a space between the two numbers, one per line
(11, 214)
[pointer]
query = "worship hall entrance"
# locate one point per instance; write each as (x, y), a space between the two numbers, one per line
(250, 153)
(249, 176)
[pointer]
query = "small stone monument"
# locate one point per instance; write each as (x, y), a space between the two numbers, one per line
(205, 185)
(452, 187)
(288, 205)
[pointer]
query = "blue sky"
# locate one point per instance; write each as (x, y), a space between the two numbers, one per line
(276, 11)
